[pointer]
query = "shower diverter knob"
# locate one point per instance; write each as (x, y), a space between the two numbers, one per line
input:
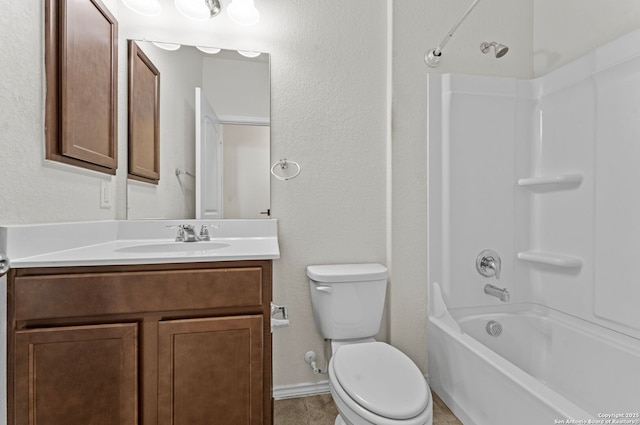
(488, 264)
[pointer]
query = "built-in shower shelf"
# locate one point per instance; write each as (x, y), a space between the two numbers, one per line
(551, 259)
(550, 183)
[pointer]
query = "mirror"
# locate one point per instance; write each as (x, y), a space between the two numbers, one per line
(214, 125)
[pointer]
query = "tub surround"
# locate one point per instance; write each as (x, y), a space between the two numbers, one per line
(543, 172)
(123, 242)
(550, 184)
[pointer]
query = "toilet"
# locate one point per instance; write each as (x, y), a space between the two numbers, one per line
(371, 382)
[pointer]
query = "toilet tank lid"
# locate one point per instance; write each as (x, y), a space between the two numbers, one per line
(347, 272)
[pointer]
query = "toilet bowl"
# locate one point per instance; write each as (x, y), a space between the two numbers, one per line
(375, 383)
(371, 382)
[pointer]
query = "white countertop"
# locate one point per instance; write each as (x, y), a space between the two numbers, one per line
(135, 242)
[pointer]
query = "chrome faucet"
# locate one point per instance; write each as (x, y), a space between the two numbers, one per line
(488, 264)
(494, 291)
(204, 231)
(187, 233)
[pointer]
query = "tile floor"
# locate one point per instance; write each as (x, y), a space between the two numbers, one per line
(320, 410)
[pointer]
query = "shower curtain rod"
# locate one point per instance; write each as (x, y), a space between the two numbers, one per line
(432, 58)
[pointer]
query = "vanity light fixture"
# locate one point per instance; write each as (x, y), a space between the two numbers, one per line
(198, 10)
(243, 12)
(209, 50)
(166, 46)
(144, 7)
(249, 54)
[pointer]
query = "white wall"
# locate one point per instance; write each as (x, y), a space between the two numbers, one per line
(246, 149)
(238, 87)
(566, 30)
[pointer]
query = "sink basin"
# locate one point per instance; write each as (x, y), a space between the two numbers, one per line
(174, 247)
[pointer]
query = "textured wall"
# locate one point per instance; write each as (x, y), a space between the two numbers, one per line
(35, 191)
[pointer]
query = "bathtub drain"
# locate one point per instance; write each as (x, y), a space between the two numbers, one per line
(494, 328)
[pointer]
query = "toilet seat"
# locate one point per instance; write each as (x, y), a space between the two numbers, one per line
(381, 379)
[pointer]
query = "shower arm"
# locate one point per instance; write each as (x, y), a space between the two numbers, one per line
(438, 50)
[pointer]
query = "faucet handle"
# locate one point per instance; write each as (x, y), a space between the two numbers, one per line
(180, 235)
(204, 231)
(489, 264)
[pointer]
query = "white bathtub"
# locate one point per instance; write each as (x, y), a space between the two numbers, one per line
(546, 367)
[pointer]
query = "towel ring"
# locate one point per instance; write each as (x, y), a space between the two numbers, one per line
(284, 164)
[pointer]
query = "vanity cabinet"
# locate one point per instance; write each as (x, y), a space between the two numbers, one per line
(74, 375)
(140, 344)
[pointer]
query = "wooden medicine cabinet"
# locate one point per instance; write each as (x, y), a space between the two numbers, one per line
(144, 117)
(81, 53)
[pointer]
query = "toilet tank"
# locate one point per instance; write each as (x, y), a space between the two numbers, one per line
(348, 299)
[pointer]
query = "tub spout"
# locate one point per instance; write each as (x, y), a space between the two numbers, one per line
(494, 291)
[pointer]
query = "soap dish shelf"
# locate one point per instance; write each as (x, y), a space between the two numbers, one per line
(551, 183)
(551, 259)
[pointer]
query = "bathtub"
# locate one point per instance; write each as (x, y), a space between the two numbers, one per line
(545, 367)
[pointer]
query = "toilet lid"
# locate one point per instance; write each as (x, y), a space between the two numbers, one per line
(381, 379)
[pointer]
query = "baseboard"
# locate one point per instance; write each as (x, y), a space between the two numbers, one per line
(282, 392)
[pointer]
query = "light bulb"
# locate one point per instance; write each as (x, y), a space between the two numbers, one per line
(166, 46)
(209, 50)
(194, 9)
(249, 54)
(243, 12)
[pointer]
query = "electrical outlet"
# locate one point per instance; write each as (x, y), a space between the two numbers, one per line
(105, 195)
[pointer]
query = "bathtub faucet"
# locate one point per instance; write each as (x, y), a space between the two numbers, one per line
(494, 291)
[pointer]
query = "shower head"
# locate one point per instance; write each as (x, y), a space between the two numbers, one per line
(499, 48)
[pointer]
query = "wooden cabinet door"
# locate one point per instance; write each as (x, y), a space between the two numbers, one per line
(210, 371)
(81, 59)
(76, 375)
(144, 116)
